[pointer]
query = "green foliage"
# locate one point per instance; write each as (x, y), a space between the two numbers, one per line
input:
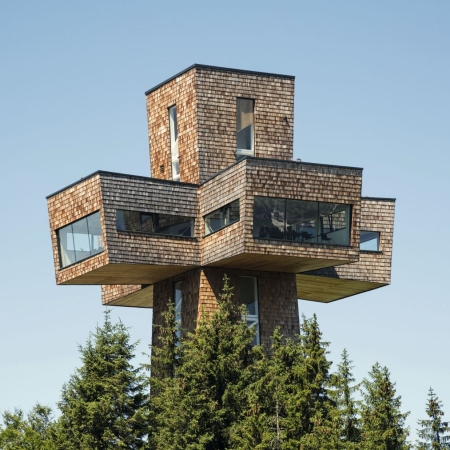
(348, 410)
(105, 403)
(383, 425)
(211, 390)
(32, 432)
(198, 404)
(433, 432)
(287, 406)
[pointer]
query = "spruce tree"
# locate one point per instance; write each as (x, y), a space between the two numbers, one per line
(433, 432)
(383, 424)
(200, 404)
(105, 403)
(31, 432)
(288, 405)
(319, 420)
(348, 411)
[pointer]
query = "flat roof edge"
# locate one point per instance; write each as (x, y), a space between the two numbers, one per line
(379, 199)
(290, 161)
(221, 69)
(120, 175)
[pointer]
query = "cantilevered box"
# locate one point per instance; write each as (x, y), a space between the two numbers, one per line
(117, 253)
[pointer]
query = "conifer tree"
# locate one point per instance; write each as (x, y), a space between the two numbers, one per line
(344, 388)
(319, 421)
(383, 424)
(31, 432)
(288, 405)
(433, 432)
(165, 358)
(105, 403)
(198, 407)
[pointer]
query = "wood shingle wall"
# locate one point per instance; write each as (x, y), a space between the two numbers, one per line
(205, 98)
(277, 299)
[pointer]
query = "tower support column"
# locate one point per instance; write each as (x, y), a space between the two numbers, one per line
(276, 295)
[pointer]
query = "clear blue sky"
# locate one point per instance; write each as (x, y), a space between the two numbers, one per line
(372, 90)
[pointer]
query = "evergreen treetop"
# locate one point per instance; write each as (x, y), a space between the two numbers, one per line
(348, 408)
(383, 424)
(433, 432)
(105, 403)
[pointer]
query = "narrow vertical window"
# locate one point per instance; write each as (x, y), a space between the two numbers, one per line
(178, 300)
(249, 297)
(173, 125)
(245, 135)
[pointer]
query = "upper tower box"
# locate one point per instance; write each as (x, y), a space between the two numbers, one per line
(205, 118)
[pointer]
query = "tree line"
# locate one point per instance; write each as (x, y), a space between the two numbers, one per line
(213, 390)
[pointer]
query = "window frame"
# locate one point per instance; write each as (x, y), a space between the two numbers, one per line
(154, 215)
(242, 153)
(320, 236)
(178, 286)
(222, 210)
(58, 240)
(254, 318)
(378, 238)
(174, 142)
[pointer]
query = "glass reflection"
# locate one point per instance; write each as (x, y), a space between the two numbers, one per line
(268, 218)
(248, 287)
(301, 221)
(80, 240)
(154, 223)
(222, 217)
(369, 241)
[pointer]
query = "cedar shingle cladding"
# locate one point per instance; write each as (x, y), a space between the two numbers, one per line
(206, 110)
(235, 247)
(205, 98)
(232, 247)
(376, 215)
(277, 299)
(373, 270)
(67, 206)
(181, 92)
(373, 267)
(132, 257)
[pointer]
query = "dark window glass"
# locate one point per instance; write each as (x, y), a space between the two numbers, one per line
(334, 224)
(222, 217)
(301, 221)
(147, 223)
(248, 287)
(174, 143)
(178, 302)
(173, 225)
(80, 239)
(369, 241)
(154, 223)
(268, 218)
(128, 220)
(244, 127)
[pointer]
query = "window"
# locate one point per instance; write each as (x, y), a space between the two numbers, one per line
(173, 127)
(154, 223)
(245, 135)
(178, 300)
(80, 240)
(302, 221)
(222, 217)
(249, 297)
(369, 241)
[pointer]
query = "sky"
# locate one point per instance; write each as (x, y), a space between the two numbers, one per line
(372, 90)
